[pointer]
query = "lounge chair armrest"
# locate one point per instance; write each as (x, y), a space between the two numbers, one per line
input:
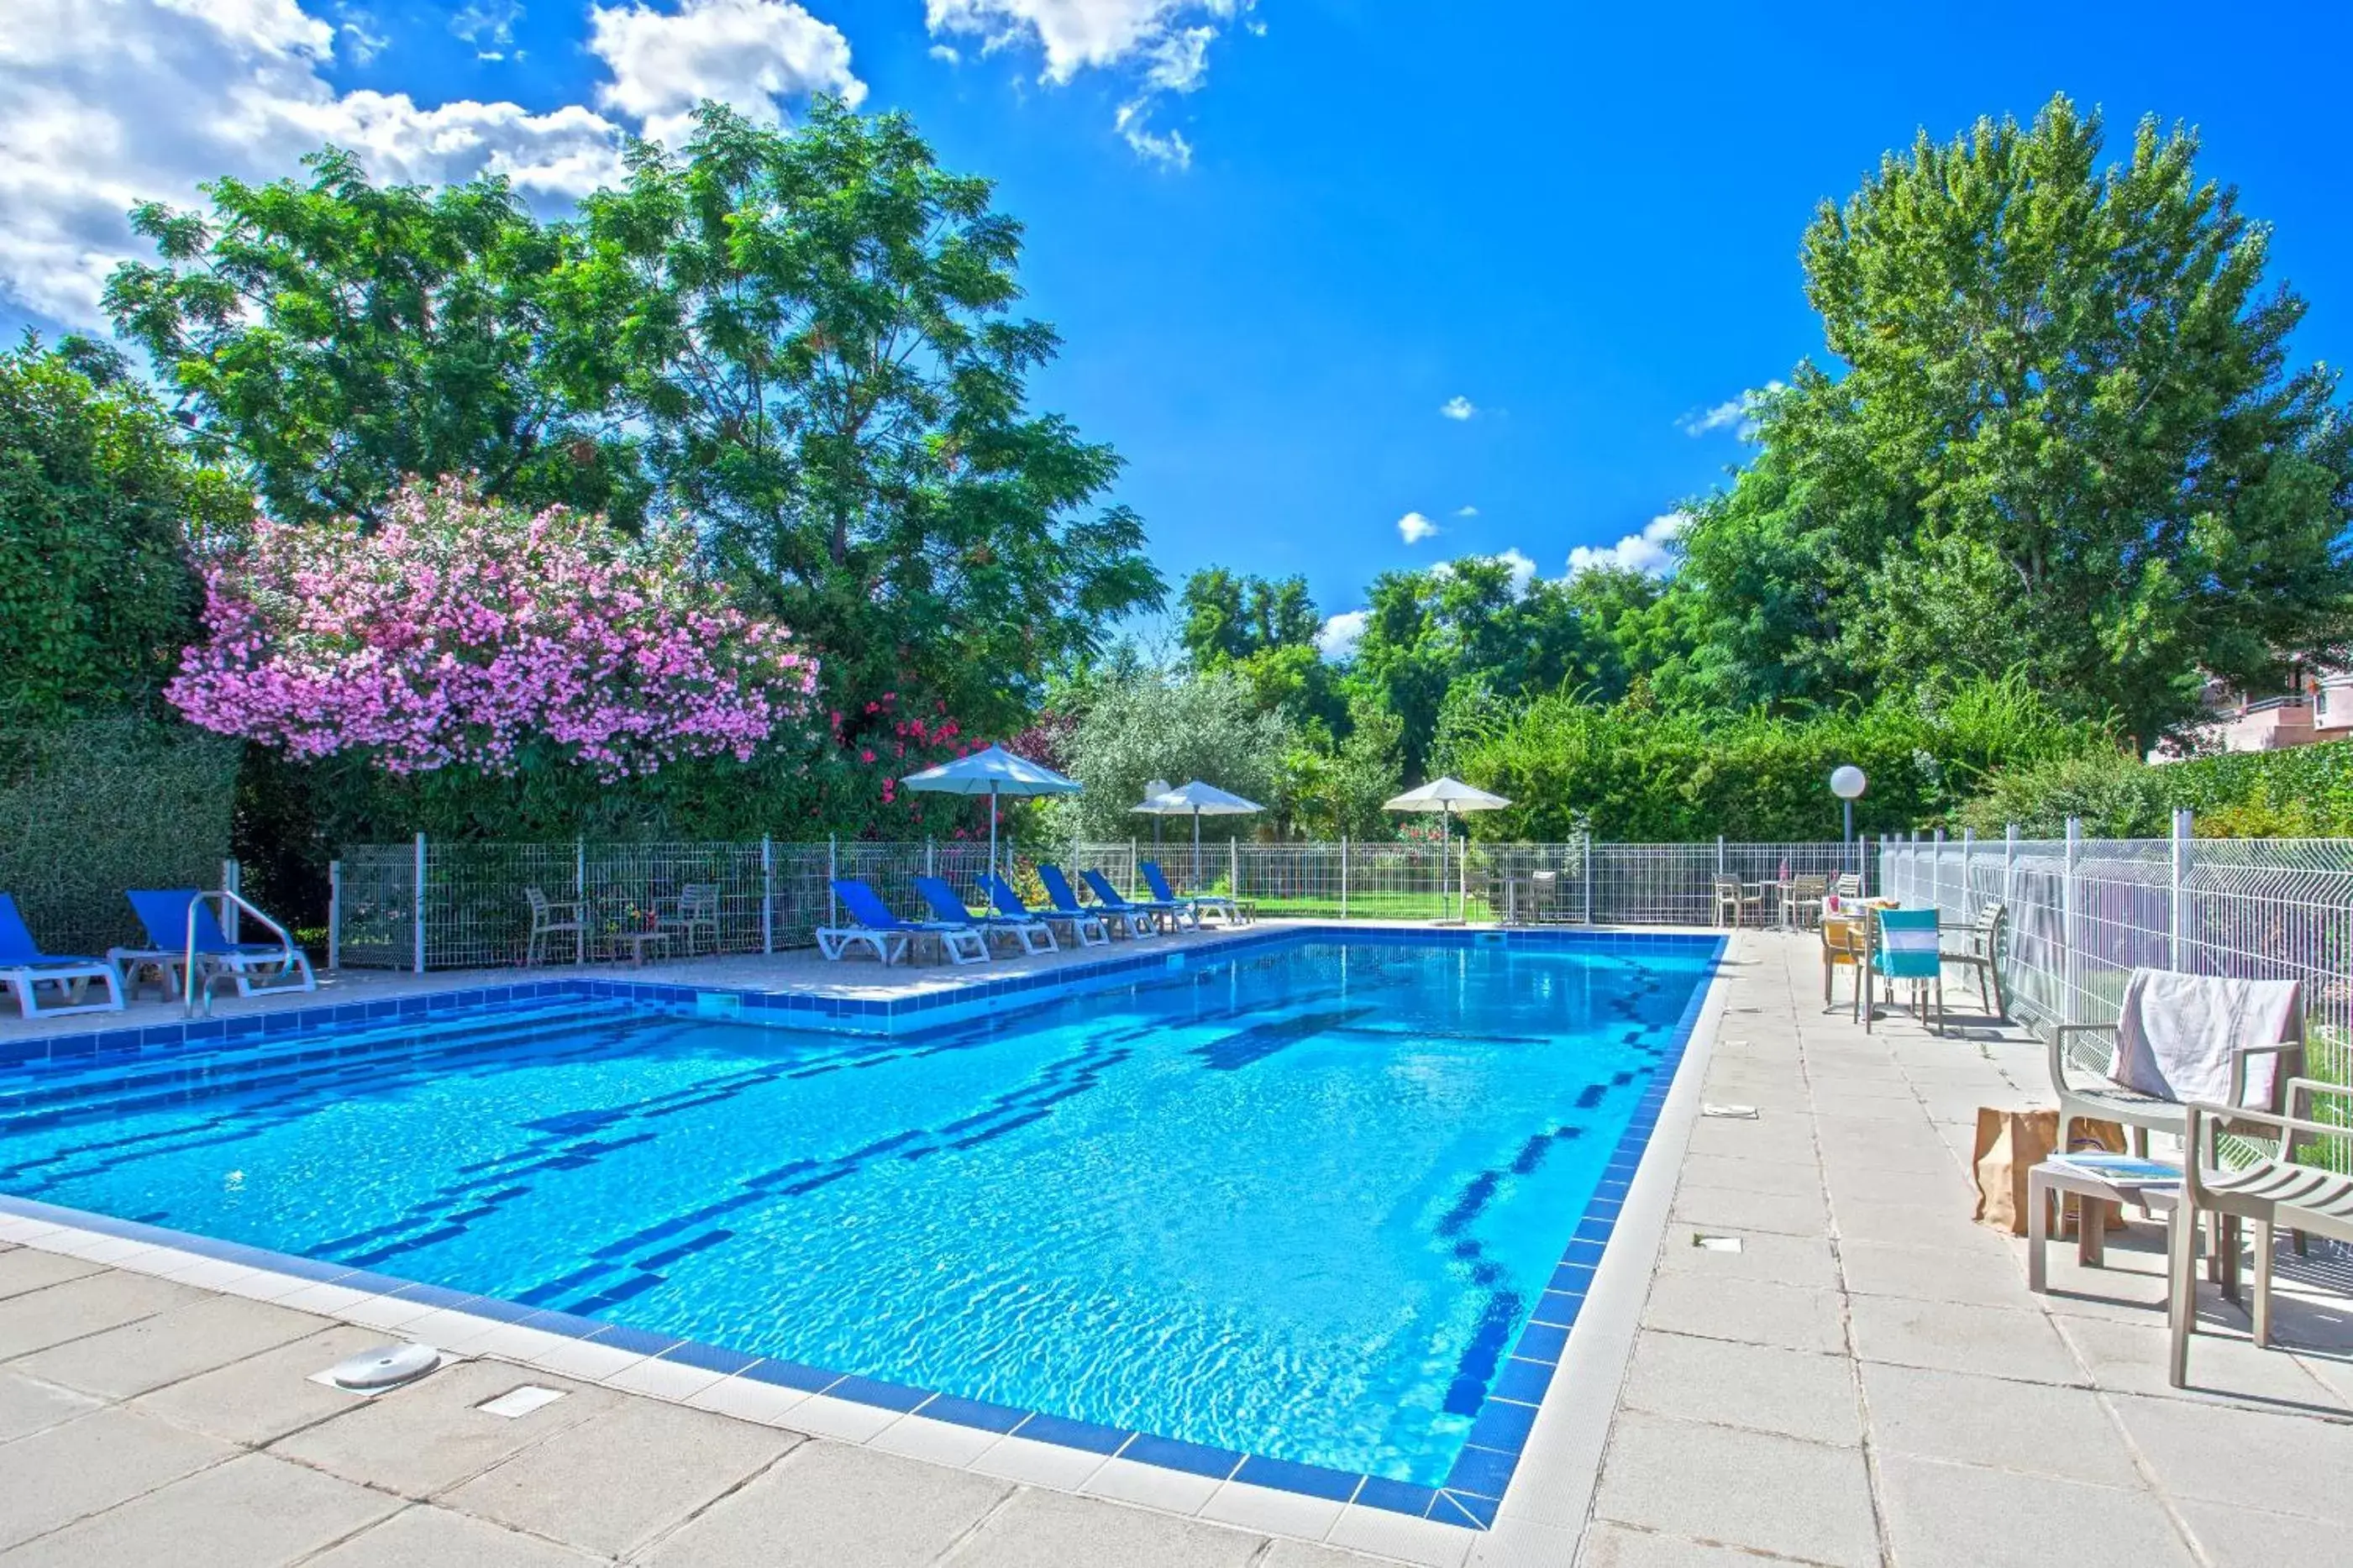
(2061, 1034)
(2213, 1116)
(2238, 1055)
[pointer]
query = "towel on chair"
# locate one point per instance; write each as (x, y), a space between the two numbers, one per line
(2178, 1034)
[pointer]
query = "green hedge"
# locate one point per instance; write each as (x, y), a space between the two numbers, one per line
(2303, 793)
(90, 808)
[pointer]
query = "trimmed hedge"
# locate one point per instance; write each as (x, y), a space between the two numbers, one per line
(88, 809)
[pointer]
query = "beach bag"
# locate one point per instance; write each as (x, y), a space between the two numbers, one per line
(2011, 1144)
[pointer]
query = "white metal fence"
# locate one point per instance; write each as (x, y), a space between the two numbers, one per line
(473, 912)
(2085, 912)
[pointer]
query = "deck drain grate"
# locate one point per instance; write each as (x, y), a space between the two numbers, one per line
(520, 1401)
(1716, 1243)
(1730, 1112)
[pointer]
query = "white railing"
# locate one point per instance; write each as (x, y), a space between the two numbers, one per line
(2083, 914)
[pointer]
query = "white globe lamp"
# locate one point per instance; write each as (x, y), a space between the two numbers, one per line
(1848, 783)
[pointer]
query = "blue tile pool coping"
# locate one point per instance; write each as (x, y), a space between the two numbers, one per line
(1474, 1487)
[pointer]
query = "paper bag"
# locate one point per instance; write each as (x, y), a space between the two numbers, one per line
(2011, 1144)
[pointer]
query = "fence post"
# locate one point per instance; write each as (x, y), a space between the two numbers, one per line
(931, 857)
(580, 867)
(1131, 867)
(1233, 868)
(334, 915)
(1585, 846)
(232, 881)
(767, 894)
(1719, 854)
(1969, 853)
(2067, 900)
(832, 869)
(2009, 862)
(1344, 876)
(2181, 823)
(1936, 870)
(416, 920)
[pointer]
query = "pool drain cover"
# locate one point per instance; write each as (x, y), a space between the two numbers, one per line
(387, 1366)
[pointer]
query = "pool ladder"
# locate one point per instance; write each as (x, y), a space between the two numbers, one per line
(196, 1001)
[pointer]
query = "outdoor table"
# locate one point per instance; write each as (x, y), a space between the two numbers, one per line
(637, 941)
(2058, 1175)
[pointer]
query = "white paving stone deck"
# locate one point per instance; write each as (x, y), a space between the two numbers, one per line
(1866, 1382)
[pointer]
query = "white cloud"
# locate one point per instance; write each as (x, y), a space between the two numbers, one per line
(1340, 633)
(1734, 413)
(1166, 40)
(747, 53)
(357, 30)
(1466, 511)
(1168, 148)
(1458, 407)
(1652, 551)
(1523, 570)
(946, 52)
(1413, 528)
(489, 25)
(105, 103)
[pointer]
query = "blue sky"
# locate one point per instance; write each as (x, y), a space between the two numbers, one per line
(1581, 221)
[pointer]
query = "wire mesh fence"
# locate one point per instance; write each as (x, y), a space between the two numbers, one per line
(2083, 914)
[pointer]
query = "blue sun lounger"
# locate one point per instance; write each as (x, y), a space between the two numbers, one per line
(1179, 916)
(960, 942)
(257, 968)
(24, 969)
(1033, 934)
(1226, 909)
(1086, 929)
(1134, 922)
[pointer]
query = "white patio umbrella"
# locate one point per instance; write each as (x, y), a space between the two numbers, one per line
(1198, 800)
(1445, 796)
(992, 771)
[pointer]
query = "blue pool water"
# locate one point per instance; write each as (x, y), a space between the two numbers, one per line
(1297, 1204)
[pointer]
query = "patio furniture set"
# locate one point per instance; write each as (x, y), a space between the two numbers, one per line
(188, 953)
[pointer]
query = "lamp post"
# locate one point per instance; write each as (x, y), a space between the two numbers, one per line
(1847, 782)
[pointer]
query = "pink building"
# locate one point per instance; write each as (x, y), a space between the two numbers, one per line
(2320, 708)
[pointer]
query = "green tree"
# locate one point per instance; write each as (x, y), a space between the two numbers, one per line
(99, 503)
(338, 337)
(1179, 728)
(2067, 441)
(816, 330)
(1264, 631)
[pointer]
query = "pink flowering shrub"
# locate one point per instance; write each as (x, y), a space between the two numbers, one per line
(466, 633)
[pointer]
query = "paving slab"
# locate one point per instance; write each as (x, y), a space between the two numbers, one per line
(1800, 1394)
(1960, 1336)
(2245, 1458)
(428, 1437)
(1806, 1262)
(80, 1306)
(29, 1405)
(78, 1467)
(265, 1396)
(1755, 1489)
(2249, 1538)
(27, 1268)
(1936, 1274)
(423, 1536)
(1039, 1528)
(1960, 1516)
(205, 1334)
(2038, 1428)
(826, 1505)
(253, 1513)
(1610, 1545)
(615, 1481)
(1717, 1208)
(1752, 1311)
(2131, 1357)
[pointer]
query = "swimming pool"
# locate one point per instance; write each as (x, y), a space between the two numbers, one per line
(1327, 1200)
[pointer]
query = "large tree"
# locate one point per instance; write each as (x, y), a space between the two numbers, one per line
(338, 337)
(1263, 630)
(2067, 441)
(817, 329)
(99, 505)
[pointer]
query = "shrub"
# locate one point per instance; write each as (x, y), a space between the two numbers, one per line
(473, 636)
(2304, 792)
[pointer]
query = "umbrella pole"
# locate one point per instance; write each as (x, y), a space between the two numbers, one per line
(1196, 850)
(992, 828)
